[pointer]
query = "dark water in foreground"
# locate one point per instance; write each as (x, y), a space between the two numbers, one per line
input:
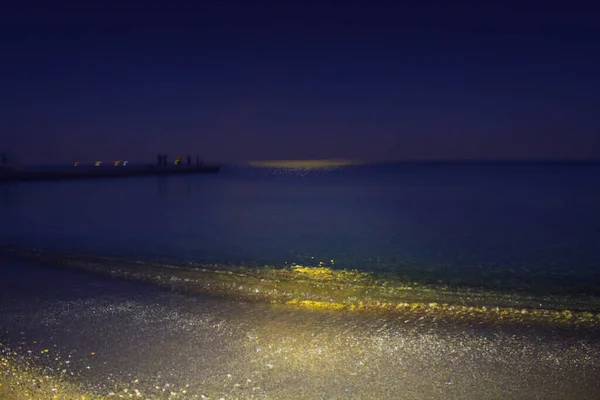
(503, 225)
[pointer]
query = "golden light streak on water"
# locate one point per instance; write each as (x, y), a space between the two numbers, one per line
(305, 164)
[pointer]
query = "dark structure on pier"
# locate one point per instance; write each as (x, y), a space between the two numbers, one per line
(95, 172)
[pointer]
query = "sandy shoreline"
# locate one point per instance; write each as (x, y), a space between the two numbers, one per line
(324, 288)
(105, 335)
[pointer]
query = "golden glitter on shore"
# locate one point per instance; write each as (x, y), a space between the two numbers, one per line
(21, 380)
(322, 287)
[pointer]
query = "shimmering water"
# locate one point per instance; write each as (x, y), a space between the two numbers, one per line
(502, 225)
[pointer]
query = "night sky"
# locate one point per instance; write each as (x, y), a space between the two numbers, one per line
(291, 80)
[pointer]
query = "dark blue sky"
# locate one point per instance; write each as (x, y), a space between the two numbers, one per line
(359, 80)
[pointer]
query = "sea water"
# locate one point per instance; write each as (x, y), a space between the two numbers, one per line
(431, 221)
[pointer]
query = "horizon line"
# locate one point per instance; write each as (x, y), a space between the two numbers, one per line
(350, 161)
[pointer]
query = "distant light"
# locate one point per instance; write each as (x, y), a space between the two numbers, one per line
(125, 163)
(117, 163)
(305, 164)
(97, 163)
(76, 164)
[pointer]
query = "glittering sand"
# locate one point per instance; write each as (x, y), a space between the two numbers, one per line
(324, 288)
(67, 334)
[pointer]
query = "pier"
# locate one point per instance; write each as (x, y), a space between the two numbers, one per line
(98, 172)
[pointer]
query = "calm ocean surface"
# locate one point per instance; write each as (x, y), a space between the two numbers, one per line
(468, 223)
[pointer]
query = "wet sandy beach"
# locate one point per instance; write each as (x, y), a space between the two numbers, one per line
(99, 337)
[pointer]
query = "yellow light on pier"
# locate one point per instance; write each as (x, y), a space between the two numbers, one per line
(97, 163)
(76, 164)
